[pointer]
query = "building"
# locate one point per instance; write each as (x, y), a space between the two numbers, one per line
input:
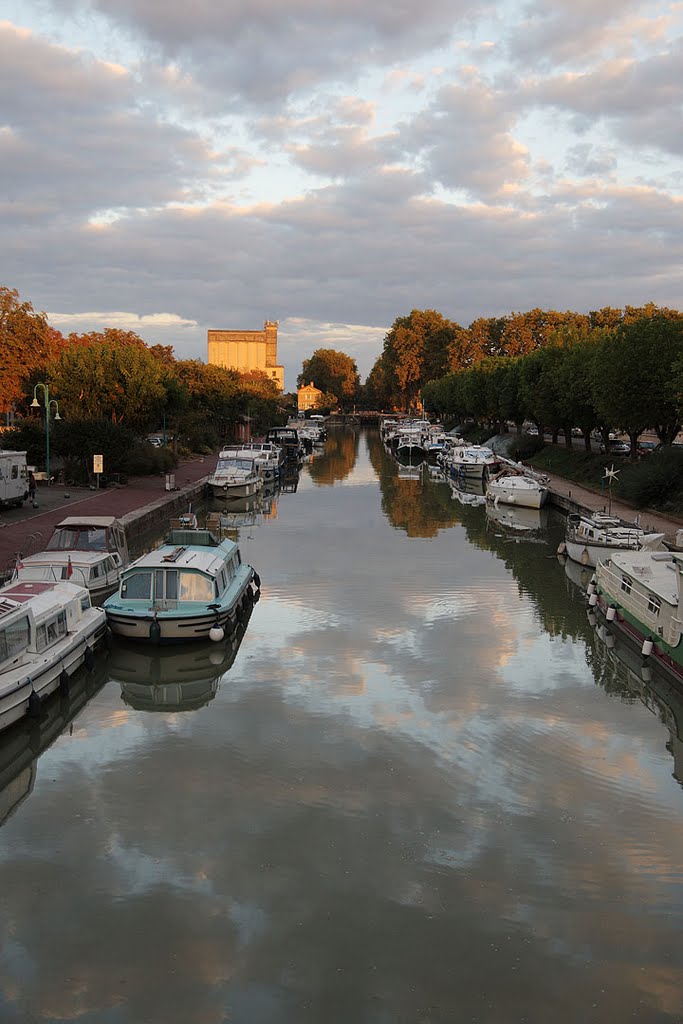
(248, 350)
(307, 397)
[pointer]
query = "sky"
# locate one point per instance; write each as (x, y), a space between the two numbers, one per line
(168, 167)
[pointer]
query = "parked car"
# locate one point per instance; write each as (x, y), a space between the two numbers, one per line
(616, 447)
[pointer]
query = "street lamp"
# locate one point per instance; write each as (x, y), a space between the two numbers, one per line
(48, 402)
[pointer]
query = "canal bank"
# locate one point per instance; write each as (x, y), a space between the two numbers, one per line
(571, 497)
(145, 503)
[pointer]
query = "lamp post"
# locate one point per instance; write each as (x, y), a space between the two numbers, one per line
(48, 403)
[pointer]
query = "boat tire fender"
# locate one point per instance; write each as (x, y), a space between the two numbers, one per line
(64, 682)
(154, 631)
(89, 658)
(34, 704)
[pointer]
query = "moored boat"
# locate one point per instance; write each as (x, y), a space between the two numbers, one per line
(47, 631)
(88, 550)
(639, 592)
(515, 488)
(235, 476)
(269, 457)
(192, 587)
(592, 536)
(473, 462)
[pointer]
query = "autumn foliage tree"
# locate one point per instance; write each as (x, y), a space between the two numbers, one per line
(27, 343)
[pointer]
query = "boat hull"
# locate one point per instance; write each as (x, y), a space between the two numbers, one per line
(522, 497)
(45, 677)
(181, 625)
(663, 655)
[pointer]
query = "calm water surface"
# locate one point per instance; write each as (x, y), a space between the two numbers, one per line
(418, 787)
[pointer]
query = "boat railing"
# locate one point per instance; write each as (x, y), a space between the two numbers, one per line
(639, 602)
(621, 537)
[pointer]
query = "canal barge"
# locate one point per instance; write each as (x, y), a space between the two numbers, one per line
(639, 593)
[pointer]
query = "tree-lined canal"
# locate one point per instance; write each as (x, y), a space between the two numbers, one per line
(419, 788)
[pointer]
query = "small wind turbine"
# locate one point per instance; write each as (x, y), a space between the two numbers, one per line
(610, 475)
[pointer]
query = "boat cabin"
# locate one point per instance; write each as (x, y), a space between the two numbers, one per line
(192, 566)
(94, 534)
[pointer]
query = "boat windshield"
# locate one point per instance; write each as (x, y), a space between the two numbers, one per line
(230, 464)
(78, 538)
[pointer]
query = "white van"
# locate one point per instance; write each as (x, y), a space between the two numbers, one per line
(13, 479)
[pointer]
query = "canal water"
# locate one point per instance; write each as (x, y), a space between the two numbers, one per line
(418, 786)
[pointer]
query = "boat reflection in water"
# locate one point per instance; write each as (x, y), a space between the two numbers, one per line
(520, 523)
(22, 743)
(620, 668)
(580, 575)
(174, 679)
(468, 491)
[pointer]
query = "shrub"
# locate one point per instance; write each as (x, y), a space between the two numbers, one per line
(656, 482)
(525, 445)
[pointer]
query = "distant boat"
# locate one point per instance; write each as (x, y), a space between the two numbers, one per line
(515, 488)
(235, 476)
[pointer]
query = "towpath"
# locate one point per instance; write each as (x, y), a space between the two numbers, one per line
(28, 529)
(599, 501)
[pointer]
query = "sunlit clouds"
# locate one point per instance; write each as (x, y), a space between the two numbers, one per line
(344, 164)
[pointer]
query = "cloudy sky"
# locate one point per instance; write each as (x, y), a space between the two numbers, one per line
(170, 167)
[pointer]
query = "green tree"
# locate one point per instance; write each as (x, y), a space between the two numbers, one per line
(635, 381)
(111, 375)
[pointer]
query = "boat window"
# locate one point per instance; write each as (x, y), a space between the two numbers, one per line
(166, 585)
(172, 585)
(194, 587)
(137, 586)
(48, 633)
(626, 584)
(654, 604)
(14, 638)
(78, 538)
(85, 602)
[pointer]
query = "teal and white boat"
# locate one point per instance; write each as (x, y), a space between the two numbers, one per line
(193, 587)
(640, 593)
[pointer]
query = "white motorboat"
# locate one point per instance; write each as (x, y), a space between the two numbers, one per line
(192, 587)
(515, 488)
(47, 631)
(235, 476)
(88, 550)
(593, 536)
(472, 461)
(269, 457)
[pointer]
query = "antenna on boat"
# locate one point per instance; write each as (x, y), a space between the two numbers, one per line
(610, 475)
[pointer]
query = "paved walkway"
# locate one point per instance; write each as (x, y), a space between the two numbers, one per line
(28, 529)
(599, 501)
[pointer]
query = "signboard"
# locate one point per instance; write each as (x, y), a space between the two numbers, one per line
(97, 462)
